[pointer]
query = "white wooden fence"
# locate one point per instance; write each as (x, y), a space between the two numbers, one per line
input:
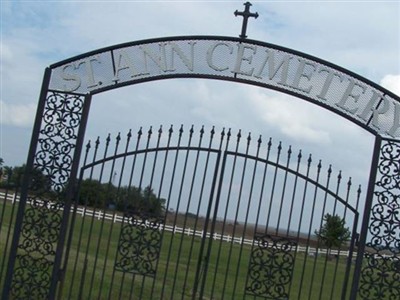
(116, 218)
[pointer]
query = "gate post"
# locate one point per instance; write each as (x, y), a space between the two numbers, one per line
(36, 249)
(379, 249)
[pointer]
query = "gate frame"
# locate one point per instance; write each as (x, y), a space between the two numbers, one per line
(56, 143)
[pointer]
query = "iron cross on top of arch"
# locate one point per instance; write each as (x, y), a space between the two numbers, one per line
(246, 15)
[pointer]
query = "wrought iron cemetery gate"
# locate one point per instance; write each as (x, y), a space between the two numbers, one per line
(197, 217)
(214, 228)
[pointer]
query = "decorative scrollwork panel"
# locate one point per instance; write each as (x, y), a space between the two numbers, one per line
(380, 275)
(42, 221)
(271, 267)
(139, 245)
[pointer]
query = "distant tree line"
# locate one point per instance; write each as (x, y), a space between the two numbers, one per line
(125, 198)
(92, 193)
(12, 177)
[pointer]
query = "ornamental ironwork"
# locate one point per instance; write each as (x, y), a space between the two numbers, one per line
(139, 245)
(36, 259)
(271, 267)
(380, 277)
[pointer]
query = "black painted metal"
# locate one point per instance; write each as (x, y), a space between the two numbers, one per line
(34, 258)
(380, 274)
(271, 267)
(9, 199)
(246, 14)
(224, 229)
(34, 265)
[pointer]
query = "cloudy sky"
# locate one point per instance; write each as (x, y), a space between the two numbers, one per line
(362, 36)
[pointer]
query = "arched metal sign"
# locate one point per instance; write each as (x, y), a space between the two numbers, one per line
(233, 59)
(37, 248)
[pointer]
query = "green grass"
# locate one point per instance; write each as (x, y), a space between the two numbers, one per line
(91, 274)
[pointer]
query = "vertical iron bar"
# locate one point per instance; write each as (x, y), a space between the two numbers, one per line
(169, 198)
(283, 189)
(151, 187)
(209, 208)
(170, 131)
(226, 210)
(345, 282)
(183, 178)
(309, 161)
(350, 257)
(222, 172)
(109, 189)
(273, 188)
(114, 211)
(187, 206)
(149, 134)
(311, 222)
(144, 163)
(198, 206)
(266, 164)
(299, 157)
(71, 231)
(216, 209)
(259, 141)
(320, 226)
(328, 250)
(134, 276)
(340, 246)
(71, 186)
(124, 218)
(83, 219)
(227, 203)
(366, 216)
(92, 220)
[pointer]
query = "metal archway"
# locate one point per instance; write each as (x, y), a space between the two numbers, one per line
(36, 251)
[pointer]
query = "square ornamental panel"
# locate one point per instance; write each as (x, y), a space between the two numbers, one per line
(271, 267)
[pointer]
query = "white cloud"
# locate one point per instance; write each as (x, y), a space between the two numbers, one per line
(294, 119)
(364, 38)
(20, 115)
(392, 83)
(38, 34)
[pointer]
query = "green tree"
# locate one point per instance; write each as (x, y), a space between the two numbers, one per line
(7, 173)
(39, 183)
(152, 205)
(131, 199)
(140, 201)
(333, 232)
(92, 193)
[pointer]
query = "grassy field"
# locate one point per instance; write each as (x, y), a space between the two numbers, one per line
(91, 272)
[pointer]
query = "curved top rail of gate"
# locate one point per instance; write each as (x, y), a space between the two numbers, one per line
(259, 151)
(228, 58)
(276, 165)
